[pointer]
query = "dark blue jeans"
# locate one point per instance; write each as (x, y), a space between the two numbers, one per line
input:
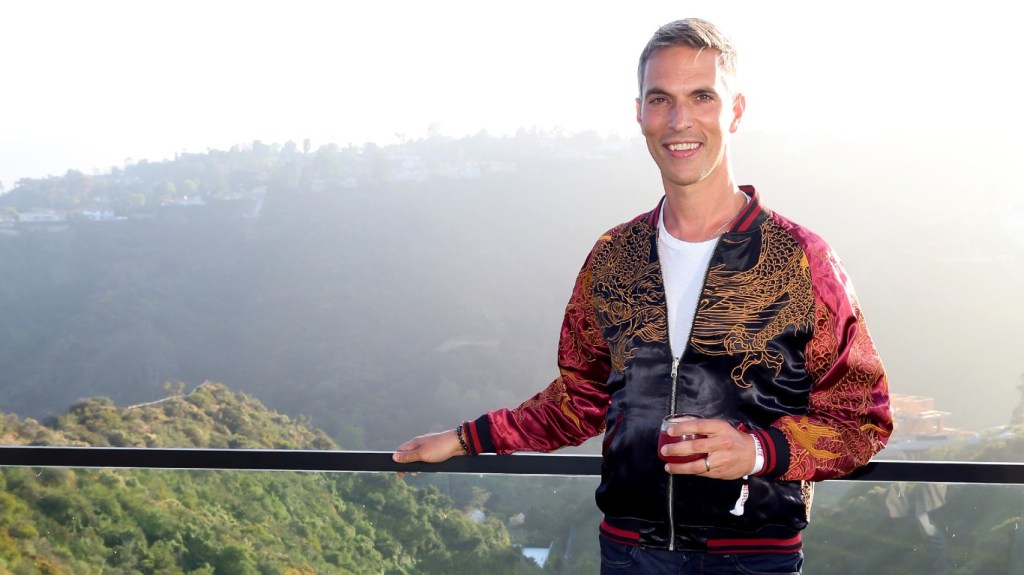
(619, 559)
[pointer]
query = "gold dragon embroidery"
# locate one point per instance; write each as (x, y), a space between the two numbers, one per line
(740, 312)
(628, 297)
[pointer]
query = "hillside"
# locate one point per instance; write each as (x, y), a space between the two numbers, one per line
(111, 522)
(384, 292)
(344, 284)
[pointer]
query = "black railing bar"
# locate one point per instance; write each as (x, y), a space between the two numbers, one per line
(381, 462)
(288, 460)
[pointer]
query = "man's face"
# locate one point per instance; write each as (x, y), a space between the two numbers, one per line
(686, 113)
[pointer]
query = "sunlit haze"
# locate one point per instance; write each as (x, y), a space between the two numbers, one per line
(89, 85)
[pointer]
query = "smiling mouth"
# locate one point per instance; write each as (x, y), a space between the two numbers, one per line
(683, 147)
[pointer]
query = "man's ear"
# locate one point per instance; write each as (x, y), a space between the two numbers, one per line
(739, 105)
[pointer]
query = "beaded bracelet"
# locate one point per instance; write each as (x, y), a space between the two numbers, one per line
(462, 440)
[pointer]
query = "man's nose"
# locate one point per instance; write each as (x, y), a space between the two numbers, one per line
(682, 117)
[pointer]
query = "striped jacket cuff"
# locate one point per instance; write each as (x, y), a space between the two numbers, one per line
(477, 434)
(776, 452)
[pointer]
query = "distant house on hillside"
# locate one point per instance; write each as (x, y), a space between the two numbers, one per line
(43, 221)
(916, 416)
(41, 216)
(100, 215)
(920, 427)
(185, 201)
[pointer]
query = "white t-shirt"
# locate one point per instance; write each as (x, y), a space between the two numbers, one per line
(683, 265)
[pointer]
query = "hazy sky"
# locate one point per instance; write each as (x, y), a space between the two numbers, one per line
(86, 85)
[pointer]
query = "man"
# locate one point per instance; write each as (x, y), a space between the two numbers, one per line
(709, 304)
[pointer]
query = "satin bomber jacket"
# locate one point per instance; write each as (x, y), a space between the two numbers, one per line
(778, 348)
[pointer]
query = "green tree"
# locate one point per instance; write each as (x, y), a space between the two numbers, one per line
(175, 522)
(165, 190)
(189, 188)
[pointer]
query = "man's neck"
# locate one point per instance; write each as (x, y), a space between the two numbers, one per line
(702, 211)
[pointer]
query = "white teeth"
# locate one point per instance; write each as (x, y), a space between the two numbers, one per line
(683, 147)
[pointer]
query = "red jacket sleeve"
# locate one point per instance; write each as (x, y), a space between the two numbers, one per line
(848, 419)
(572, 408)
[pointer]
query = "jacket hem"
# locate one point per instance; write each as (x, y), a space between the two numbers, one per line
(710, 540)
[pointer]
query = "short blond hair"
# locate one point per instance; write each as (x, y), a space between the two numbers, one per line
(694, 33)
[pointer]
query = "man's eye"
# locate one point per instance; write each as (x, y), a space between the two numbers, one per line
(658, 100)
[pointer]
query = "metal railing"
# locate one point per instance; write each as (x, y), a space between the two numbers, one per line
(381, 462)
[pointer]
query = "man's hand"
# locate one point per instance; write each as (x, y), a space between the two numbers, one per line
(430, 448)
(730, 451)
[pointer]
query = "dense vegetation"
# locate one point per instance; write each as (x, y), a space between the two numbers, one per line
(107, 521)
(76, 522)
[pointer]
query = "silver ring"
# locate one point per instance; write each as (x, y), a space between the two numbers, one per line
(707, 464)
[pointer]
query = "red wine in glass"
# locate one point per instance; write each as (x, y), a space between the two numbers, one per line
(664, 439)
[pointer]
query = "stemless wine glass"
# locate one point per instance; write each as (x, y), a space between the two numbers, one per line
(664, 438)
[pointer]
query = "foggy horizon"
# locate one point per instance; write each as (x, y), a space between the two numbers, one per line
(116, 80)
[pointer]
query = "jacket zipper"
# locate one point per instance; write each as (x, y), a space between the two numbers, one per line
(675, 373)
(671, 478)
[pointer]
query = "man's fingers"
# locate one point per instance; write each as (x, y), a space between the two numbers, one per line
(430, 448)
(406, 453)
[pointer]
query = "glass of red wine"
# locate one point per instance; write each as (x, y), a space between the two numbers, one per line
(664, 439)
